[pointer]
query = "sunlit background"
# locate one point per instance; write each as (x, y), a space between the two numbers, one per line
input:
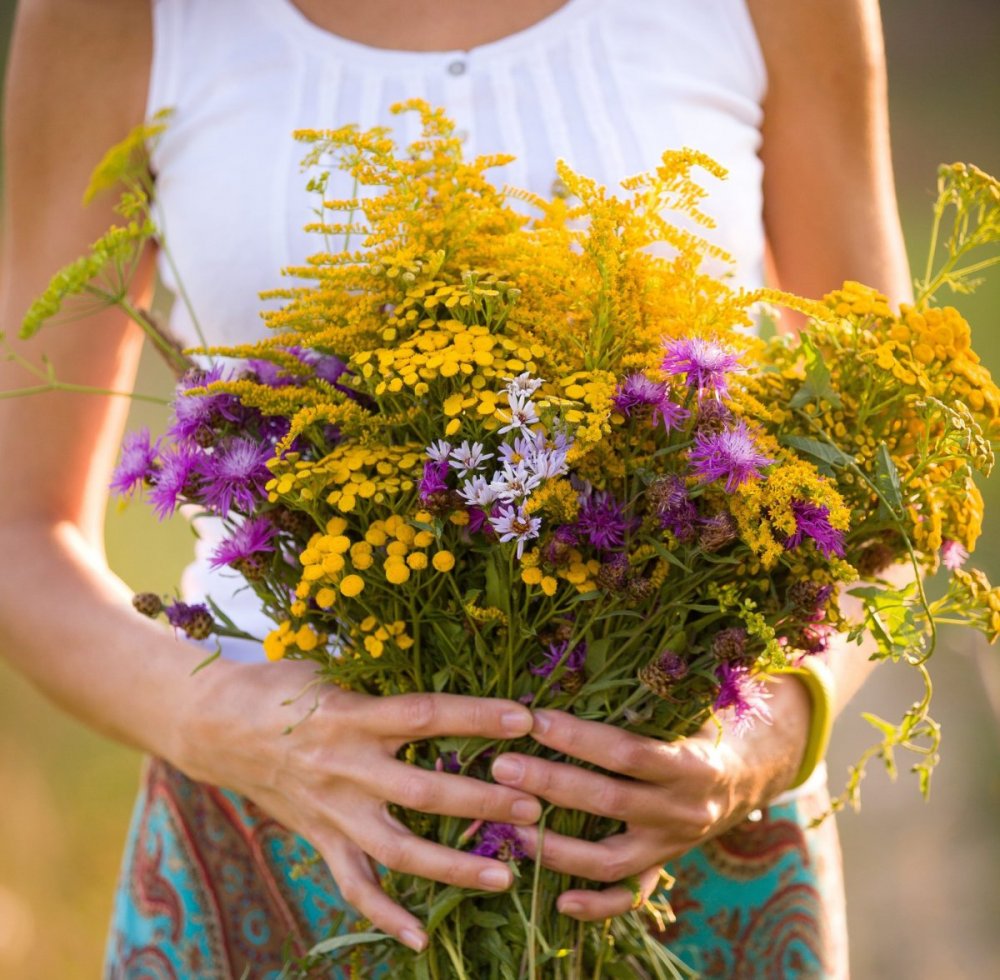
(923, 882)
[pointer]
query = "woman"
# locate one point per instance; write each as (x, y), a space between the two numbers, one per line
(608, 85)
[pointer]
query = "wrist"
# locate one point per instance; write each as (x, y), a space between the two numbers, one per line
(813, 678)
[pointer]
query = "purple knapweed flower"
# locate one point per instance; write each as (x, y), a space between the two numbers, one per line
(953, 555)
(556, 551)
(810, 599)
(731, 455)
(329, 368)
(515, 524)
(602, 520)
(179, 476)
(678, 512)
(555, 654)
(250, 539)
(815, 638)
(235, 475)
(137, 464)
(478, 521)
(199, 417)
(704, 363)
(500, 841)
(194, 619)
(743, 696)
(637, 392)
(435, 479)
(813, 521)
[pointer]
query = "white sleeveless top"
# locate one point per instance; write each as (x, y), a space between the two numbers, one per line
(605, 86)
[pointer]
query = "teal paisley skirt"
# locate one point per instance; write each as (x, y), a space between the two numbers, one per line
(208, 891)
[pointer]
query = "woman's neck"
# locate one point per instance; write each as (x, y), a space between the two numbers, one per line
(426, 25)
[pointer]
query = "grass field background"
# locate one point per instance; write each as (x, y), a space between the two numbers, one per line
(922, 883)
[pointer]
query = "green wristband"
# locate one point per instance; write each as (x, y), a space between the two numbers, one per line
(818, 681)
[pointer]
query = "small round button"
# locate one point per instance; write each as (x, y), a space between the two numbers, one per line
(457, 68)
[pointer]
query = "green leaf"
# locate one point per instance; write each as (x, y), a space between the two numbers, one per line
(488, 920)
(597, 654)
(823, 451)
(348, 940)
(447, 901)
(669, 557)
(817, 381)
(496, 595)
(888, 483)
(441, 678)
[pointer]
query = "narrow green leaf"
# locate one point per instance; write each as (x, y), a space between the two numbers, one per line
(348, 940)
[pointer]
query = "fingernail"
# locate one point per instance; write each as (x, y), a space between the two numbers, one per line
(526, 811)
(495, 878)
(507, 770)
(542, 722)
(516, 722)
(415, 940)
(570, 908)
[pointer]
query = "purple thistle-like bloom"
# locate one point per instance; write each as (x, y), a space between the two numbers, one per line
(814, 522)
(704, 363)
(500, 841)
(740, 694)
(602, 519)
(637, 392)
(554, 655)
(137, 464)
(194, 619)
(235, 475)
(953, 555)
(435, 478)
(179, 476)
(251, 538)
(731, 455)
(329, 368)
(478, 521)
(197, 417)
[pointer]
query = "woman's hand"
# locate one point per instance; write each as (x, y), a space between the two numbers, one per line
(332, 775)
(675, 795)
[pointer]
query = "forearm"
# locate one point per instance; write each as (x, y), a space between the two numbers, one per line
(67, 624)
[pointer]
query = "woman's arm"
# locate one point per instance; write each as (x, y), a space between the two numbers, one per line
(77, 84)
(830, 214)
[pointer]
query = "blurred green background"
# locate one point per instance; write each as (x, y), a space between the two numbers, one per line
(923, 888)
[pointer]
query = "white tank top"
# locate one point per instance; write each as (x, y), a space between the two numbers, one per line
(605, 86)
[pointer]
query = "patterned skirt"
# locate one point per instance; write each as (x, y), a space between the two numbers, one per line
(212, 888)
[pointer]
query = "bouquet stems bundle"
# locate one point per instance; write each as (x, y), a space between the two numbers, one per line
(535, 459)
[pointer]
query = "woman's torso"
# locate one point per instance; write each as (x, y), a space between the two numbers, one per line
(607, 87)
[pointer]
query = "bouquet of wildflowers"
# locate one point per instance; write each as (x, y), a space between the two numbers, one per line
(531, 459)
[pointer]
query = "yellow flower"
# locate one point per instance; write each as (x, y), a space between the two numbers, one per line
(443, 561)
(352, 585)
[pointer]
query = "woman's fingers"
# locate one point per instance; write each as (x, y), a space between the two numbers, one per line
(457, 796)
(574, 788)
(360, 888)
(410, 717)
(593, 906)
(393, 846)
(608, 746)
(610, 860)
